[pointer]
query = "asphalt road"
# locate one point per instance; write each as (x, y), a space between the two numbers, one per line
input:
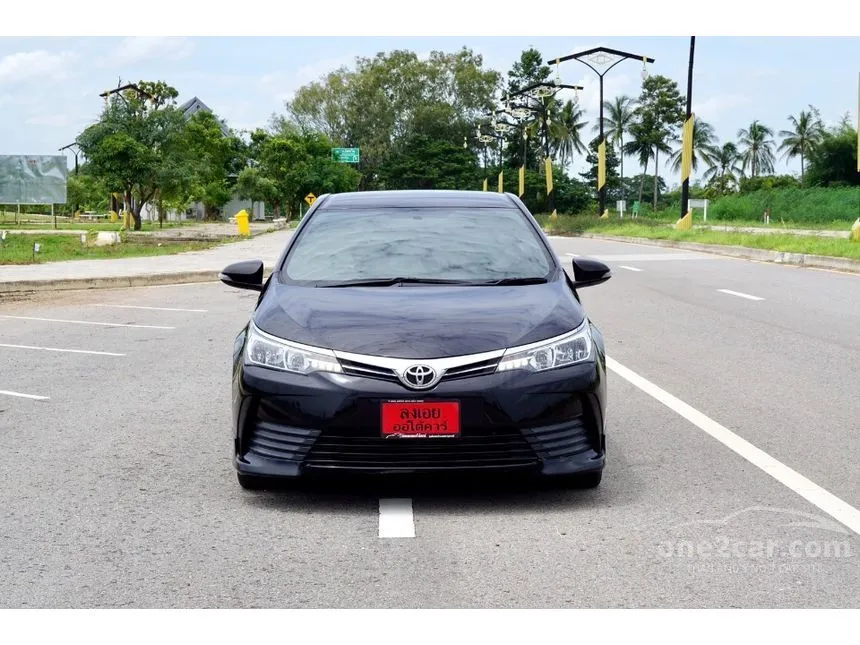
(116, 488)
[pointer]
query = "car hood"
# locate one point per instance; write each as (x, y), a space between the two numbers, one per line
(418, 321)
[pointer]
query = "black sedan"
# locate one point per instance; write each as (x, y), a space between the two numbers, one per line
(418, 332)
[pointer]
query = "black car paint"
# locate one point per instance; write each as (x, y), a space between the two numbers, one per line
(360, 320)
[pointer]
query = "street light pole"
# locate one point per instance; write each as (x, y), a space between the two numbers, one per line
(538, 92)
(687, 154)
(600, 60)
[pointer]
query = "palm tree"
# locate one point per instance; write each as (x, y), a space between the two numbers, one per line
(642, 147)
(704, 146)
(807, 130)
(723, 162)
(757, 148)
(565, 131)
(619, 117)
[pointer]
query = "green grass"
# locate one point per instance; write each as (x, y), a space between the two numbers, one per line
(650, 229)
(18, 249)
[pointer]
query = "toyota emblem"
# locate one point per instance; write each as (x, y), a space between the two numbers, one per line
(419, 376)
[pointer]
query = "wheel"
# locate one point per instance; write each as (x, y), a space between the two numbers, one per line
(251, 482)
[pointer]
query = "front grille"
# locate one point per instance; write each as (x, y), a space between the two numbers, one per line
(493, 449)
(274, 441)
(367, 370)
(482, 368)
(354, 368)
(559, 441)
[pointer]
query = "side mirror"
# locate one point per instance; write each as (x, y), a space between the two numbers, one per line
(244, 275)
(587, 273)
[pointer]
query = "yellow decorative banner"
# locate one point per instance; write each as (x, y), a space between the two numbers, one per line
(687, 153)
(601, 165)
(485, 185)
(522, 181)
(501, 181)
(548, 175)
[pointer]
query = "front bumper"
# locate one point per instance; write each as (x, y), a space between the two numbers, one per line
(546, 424)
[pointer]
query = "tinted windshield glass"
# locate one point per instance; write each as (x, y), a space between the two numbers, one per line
(442, 244)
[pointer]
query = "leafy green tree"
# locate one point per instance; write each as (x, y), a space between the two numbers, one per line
(382, 102)
(135, 148)
(660, 115)
(800, 141)
(833, 162)
(756, 149)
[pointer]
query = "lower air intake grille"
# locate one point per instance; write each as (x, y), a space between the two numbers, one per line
(280, 442)
(560, 440)
(499, 449)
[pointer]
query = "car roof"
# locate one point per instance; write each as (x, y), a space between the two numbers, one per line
(417, 199)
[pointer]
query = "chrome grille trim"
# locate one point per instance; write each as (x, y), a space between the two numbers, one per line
(393, 368)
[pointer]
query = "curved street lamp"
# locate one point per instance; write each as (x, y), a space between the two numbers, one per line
(600, 60)
(537, 93)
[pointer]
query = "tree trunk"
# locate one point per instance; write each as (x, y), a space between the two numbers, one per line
(277, 212)
(621, 160)
(134, 208)
(801, 168)
(160, 207)
(656, 176)
(642, 182)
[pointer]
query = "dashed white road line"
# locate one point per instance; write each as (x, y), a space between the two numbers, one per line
(624, 266)
(739, 294)
(24, 396)
(395, 518)
(199, 311)
(836, 508)
(58, 349)
(87, 322)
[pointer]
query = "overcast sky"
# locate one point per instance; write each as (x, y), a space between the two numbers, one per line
(49, 86)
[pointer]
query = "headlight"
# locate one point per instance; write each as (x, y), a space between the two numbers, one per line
(268, 351)
(569, 349)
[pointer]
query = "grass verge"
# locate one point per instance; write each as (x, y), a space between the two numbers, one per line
(643, 228)
(18, 249)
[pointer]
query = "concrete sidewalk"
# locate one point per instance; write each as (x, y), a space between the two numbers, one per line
(774, 229)
(194, 266)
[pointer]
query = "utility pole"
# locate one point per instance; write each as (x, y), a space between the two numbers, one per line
(687, 154)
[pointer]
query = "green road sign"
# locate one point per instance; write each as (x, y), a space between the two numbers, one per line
(345, 155)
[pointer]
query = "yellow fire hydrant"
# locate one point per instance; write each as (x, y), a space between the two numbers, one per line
(242, 222)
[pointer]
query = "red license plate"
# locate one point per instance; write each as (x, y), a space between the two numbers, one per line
(420, 419)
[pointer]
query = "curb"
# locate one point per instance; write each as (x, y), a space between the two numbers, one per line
(739, 252)
(23, 287)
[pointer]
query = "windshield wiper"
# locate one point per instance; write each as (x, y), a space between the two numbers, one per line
(513, 281)
(390, 282)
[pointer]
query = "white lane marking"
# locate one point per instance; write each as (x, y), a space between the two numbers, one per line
(837, 509)
(739, 294)
(623, 266)
(24, 396)
(87, 322)
(58, 349)
(395, 518)
(199, 311)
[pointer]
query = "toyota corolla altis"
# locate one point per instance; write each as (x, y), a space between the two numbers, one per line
(418, 332)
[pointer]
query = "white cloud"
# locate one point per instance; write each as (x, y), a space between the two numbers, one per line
(715, 107)
(23, 66)
(137, 49)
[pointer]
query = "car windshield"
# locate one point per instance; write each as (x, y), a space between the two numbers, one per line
(465, 245)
